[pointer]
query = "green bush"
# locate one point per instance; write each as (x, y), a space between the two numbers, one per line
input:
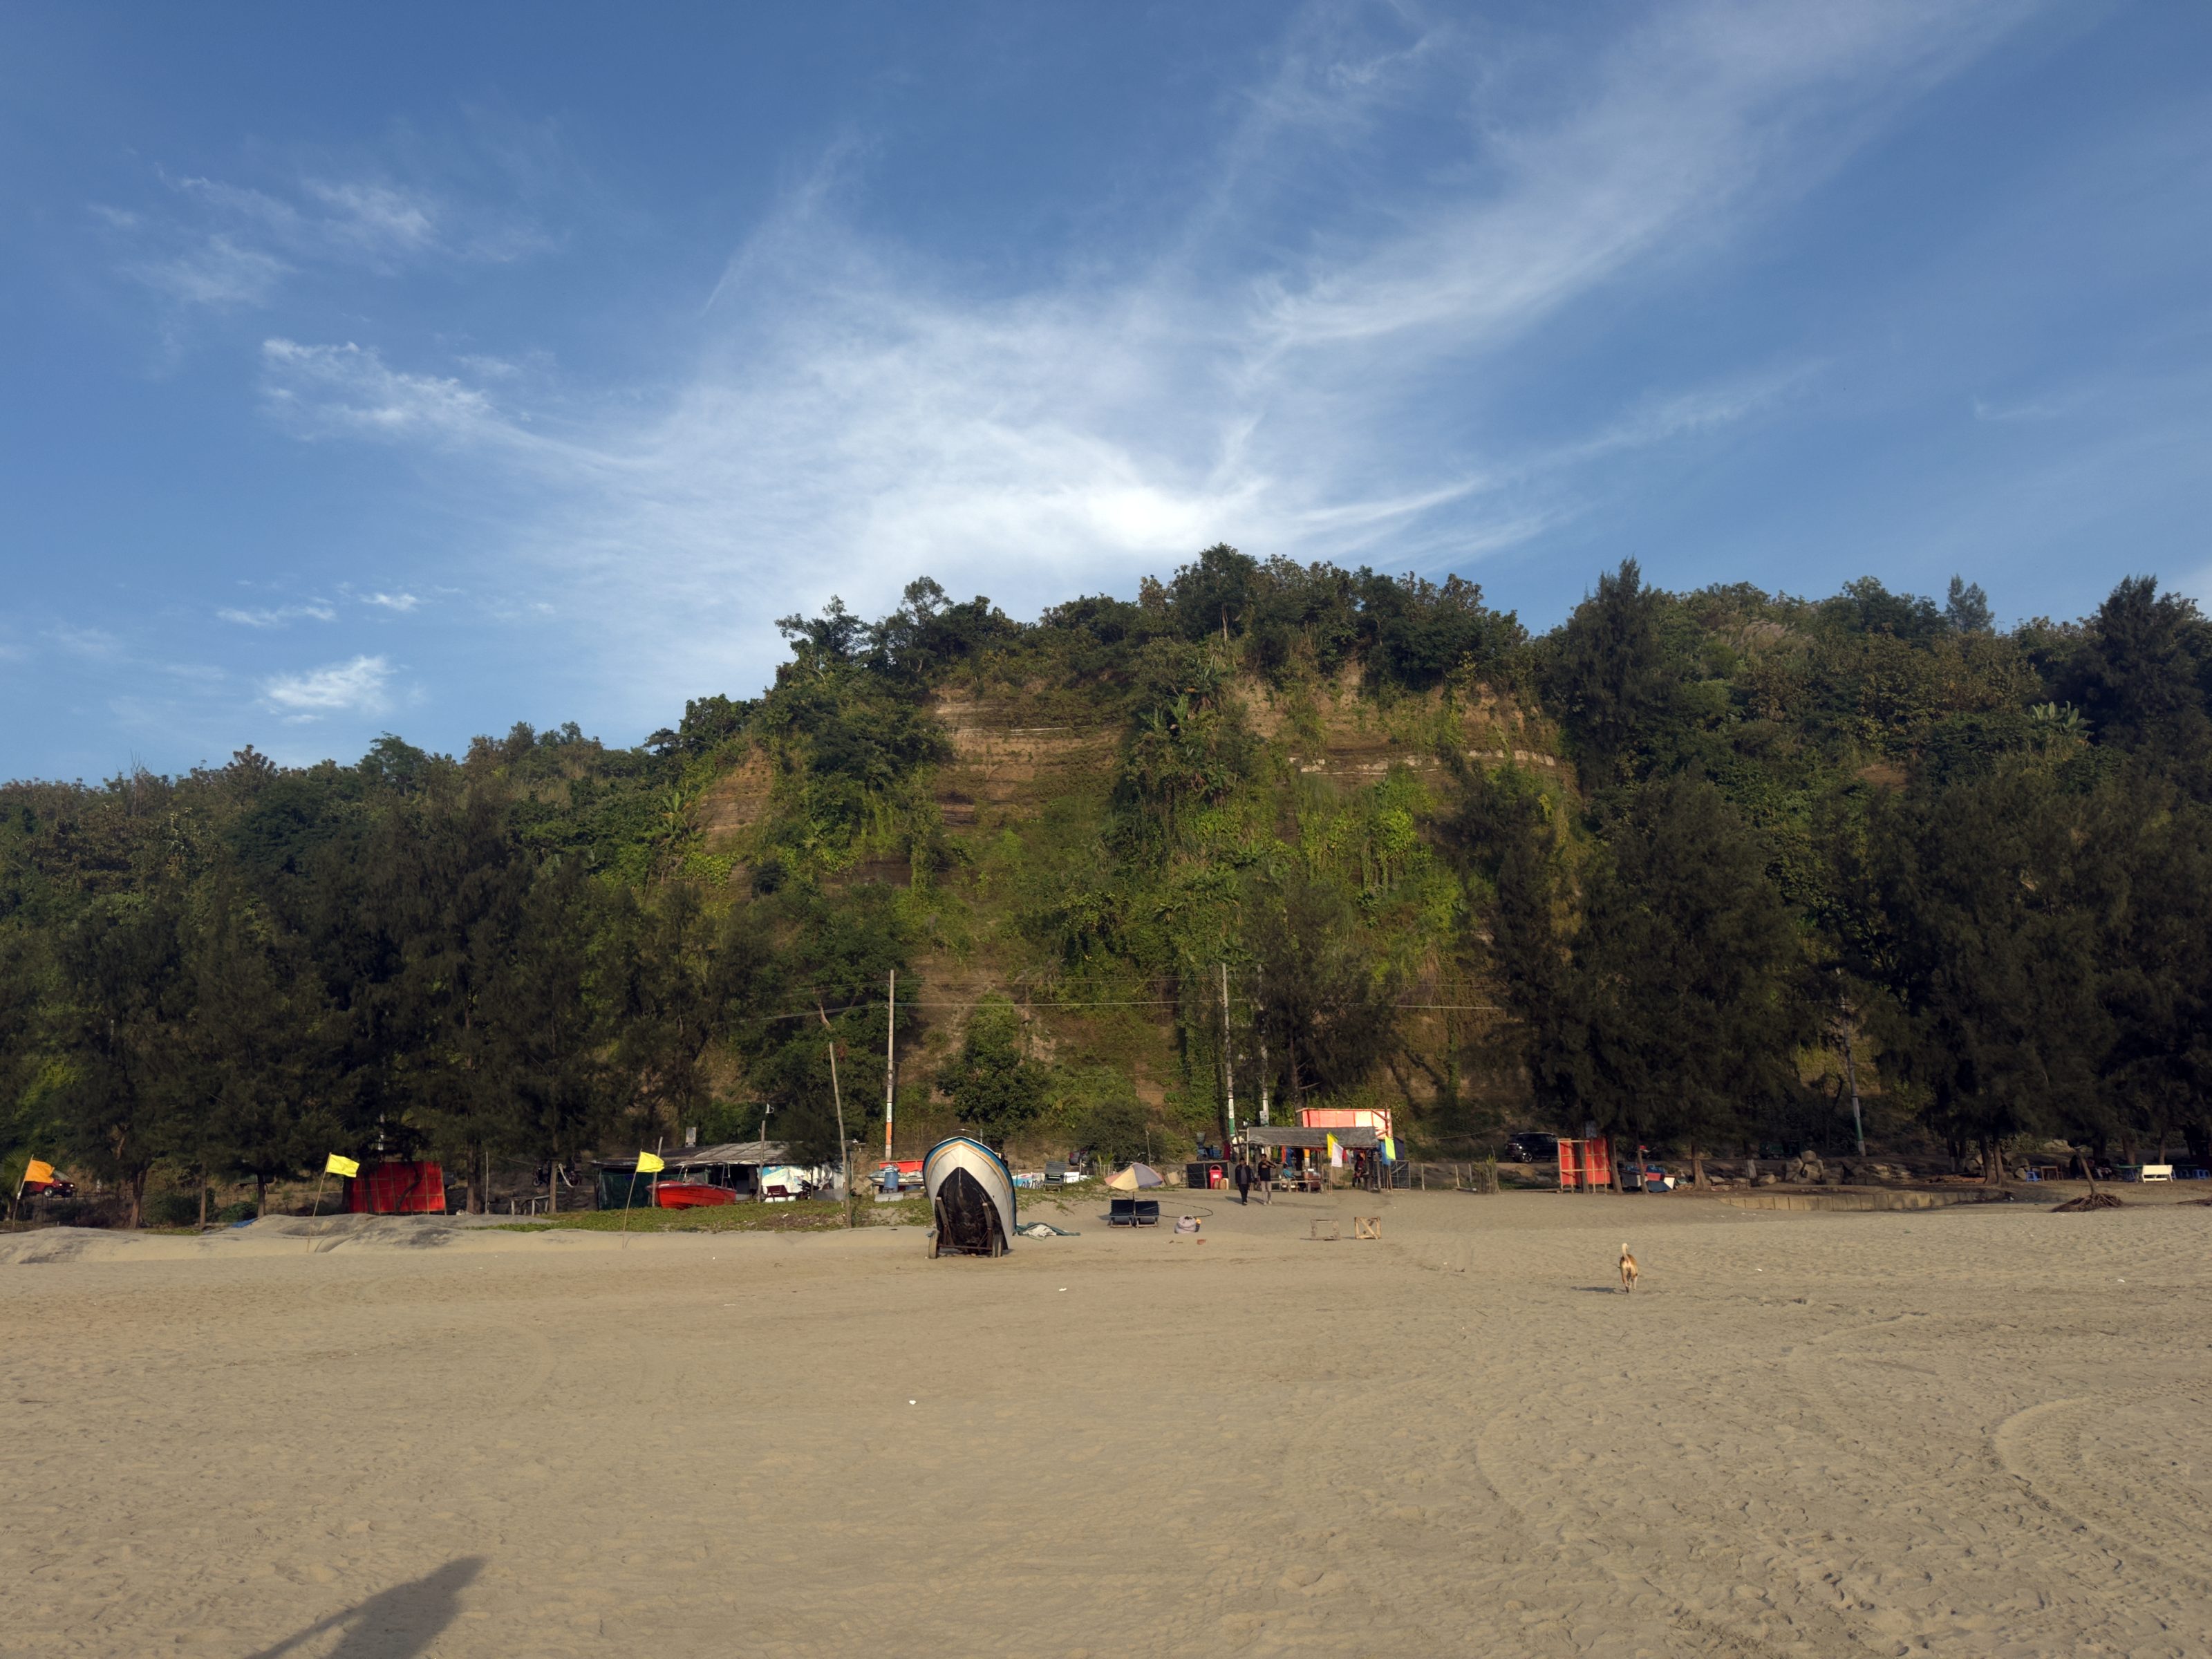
(174, 1209)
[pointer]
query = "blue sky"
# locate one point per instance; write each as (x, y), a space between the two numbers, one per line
(429, 367)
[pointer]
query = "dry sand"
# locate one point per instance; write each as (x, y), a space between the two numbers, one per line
(1971, 1431)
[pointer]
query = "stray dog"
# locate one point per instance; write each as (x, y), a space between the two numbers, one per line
(1627, 1270)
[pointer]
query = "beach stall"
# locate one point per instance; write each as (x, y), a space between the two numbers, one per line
(1340, 1118)
(1310, 1158)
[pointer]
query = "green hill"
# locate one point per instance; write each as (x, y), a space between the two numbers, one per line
(1299, 829)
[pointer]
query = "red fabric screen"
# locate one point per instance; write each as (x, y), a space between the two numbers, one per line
(399, 1189)
(1584, 1164)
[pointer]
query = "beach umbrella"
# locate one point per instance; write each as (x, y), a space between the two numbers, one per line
(1135, 1177)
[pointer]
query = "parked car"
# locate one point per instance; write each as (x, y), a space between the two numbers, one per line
(1532, 1148)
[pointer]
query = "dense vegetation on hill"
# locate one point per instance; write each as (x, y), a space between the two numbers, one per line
(1289, 830)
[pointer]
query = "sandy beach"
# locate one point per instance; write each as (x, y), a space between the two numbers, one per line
(1976, 1430)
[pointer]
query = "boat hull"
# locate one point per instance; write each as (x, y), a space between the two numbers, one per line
(691, 1195)
(971, 1197)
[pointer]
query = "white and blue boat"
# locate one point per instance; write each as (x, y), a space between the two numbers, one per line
(971, 1197)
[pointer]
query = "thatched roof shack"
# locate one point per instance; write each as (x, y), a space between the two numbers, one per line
(1257, 1135)
(1303, 1153)
(730, 1154)
(735, 1164)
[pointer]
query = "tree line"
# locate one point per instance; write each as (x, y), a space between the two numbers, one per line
(2007, 894)
(230, 973)
(1981, 856)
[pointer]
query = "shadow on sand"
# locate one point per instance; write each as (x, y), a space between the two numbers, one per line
(395, 1623)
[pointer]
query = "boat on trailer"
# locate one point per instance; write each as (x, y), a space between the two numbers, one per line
(971, 1197)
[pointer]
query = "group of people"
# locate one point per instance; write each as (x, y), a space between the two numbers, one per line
(1250, 1173)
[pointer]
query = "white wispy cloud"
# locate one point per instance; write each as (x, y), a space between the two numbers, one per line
(213, 243)
(349, 388)
(2031, 409)
(402, 603)
(855, 414)
(376, 217)
(278, 615)
(1700, 108)
(215, 272)
(358, 686)
(98, 644)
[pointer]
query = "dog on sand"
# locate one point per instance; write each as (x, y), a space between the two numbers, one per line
(1627, 1269)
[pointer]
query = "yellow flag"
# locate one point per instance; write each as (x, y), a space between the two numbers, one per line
(1335, 1152)
(340, 1166)
(38, 1174)
(650, 1164)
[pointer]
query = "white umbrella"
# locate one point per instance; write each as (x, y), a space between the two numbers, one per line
(1136, 1176)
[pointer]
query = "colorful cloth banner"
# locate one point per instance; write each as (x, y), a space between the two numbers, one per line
(1335, 1153)
(341, 1166)
(650, 1164)
(1389, 1149)
(38, 1174)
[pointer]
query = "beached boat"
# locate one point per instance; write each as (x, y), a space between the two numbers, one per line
(690, 1195)
(971, 1196)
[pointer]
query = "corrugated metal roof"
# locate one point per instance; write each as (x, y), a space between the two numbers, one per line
(1261, 1134)
(750, 1152)
(730, 1152)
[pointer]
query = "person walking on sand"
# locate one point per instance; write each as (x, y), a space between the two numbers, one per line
(1243, 1179)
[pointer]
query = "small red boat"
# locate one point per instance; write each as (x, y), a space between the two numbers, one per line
(691, 1195)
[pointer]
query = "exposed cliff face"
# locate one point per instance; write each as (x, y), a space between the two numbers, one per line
(1337, 731)
(734, 802)
(1010, 756)
(1014, 823)
(1008, 761)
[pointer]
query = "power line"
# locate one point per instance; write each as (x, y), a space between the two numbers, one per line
(1136, 1002)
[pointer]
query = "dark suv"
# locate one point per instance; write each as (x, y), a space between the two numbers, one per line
(1532, 1148)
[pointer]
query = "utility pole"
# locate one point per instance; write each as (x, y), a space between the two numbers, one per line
(890, 1065)
(1259, 1033)
(837, 1096)
(1263, 1076)
(1228, 1066)
(1851, 1075)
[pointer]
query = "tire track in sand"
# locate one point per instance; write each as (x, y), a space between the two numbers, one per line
(2148, 1503)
